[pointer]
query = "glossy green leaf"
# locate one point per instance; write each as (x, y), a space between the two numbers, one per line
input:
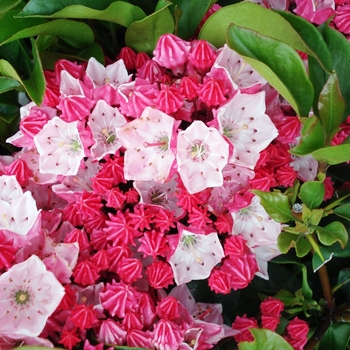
(333, 155)
(333, 232)
(323, 257)
(277, 62)
(35, 85)
(337, 337)
(7, 84)
(63, 28)
(339, 48)
(343, 211)
(312, 193)
(192, 13)
(6, 5)
(47, 8)
(311, 38)
(343, 279)
(331, 106)
(286, 241)
(312, 137)
(143, 35)
(252, 16)
(276, 205)
(265, 339)
(119, 12)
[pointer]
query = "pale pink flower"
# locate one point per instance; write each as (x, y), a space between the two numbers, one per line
(243, 76)
(163, 195)
(273, 4)
(29, 294)
(103, 122)
(263, 254)
(60, 148)
(306, 166)
(244, 122)
(195, 254)
(315, 11)
(147, 141)
(202, 153)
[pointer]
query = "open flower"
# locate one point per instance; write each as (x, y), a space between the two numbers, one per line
(195, 254)
(147, 140)
(60, 148)
(29, 294)
(201, 155)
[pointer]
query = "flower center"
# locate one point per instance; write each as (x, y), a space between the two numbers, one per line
(76, 146)
(198, 151)
(158, 197)
(189, 243)
(108, 135)
(22, 297)
(162, 143)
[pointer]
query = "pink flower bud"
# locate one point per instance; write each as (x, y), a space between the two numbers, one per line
(202, 56)
(128, 56)
(169, 100)
(141, 59)
(189, 87)
(212, 93)
(172, 52)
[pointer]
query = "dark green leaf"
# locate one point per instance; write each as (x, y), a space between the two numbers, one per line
(119, 12)
(35, 85)
(265, 339)
(343, 211)
(333, 155)
(339, 48)
(312, 193)
(276, 205)
(143, 35)
(337, 337)
(312, 137)
(6, 5)
(343, 278)
(7, 84)
(277, 62)
(331, 106)
(251, 16)
(318, 261)
(311, 37)
(333, 232)
(192, 14)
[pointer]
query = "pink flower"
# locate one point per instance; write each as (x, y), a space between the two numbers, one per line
(195, 254)
(244, 122)
(103, 122)
(271, 307)
(202, 153)
(60, 148)
(315, 11)
(172, 52)
(111, 332)
(242, 324)
(29, 294)
(342, 19)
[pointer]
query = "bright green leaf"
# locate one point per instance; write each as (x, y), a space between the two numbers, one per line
(337, 337)
(316, 216)
(276, 205)
(143, 35)
(311, 38)
(333, 155)
(312, 137)
(119, 12)
(35, 85)
(331, 106)
(266, 340)
(6, 5)
(277, 62)
(318, 261)
(312, 193)
(7, 84)
(286, 241)
(343, 211)
(333, 232)
(339, 48)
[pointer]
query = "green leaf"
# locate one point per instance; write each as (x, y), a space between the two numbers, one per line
(333, 155)
(333, 232)
(277, 62)
(276, 205)
(318, 261)
(265, 339)
(47, 8)
(119, 12)
(254, 17)
(6, 5)
(311, 38)
(312, 137)
(331, 106)
(63, 28)
(143, 35)
(336, 337)
(287, 240)
(343, 211)
(192, 14)
(312, 193)
(35, 85)
(7, 84)
(339, 48)
(343, 279)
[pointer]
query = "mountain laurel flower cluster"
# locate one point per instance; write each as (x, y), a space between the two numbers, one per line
(130, 183)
